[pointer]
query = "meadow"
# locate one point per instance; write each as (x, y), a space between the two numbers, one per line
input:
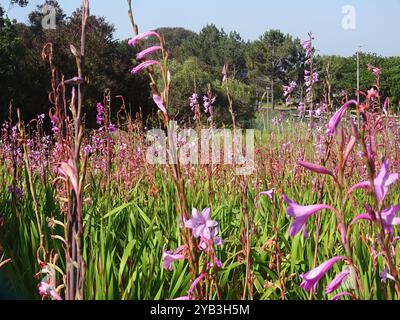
(84, 215)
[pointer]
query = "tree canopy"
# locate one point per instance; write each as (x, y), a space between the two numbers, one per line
(196, 64)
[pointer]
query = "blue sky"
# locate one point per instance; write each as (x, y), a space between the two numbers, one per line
(376, 24)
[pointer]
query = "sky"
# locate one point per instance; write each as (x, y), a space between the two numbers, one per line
(375, 26)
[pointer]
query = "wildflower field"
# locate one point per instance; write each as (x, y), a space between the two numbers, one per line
(305, 207)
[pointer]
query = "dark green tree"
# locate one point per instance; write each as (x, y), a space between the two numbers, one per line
(175, 38)
(276, 59)
(214, 48)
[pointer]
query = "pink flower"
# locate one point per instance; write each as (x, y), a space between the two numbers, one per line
(269, 194)
(169, 257)
(342, 294)
(194, 285)
(68, 170)
(288, 90)
(202, 225)
(385, 276)
(337, 282)
(315, 168)
(301, 214)
(372, 93)
(159, 102)
(389, 218)
(311, 278)
(134, 41)
(364, 216)
(334, 122)
(218, 264)
(143, 66)
(307, 45)
(141, 55)
(381, 183)
(45, 290)
(375, 71)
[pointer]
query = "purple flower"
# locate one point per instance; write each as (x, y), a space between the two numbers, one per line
(201, 224)
(112, 128)
(141, 55)
(159, 102)
(315, 168)
(337, 282)
(288, 90)
(311, 278)
(307, 45)
(208, 105)
(194, 285)
(269, 194)
(143, 66)
(54, 121)
(364, 216)
(100, 114)
(301, 214)
(100, 108)
(381, 183)
(194, 101)
(169, 257)
(389, 218)
(45, 290)
(384, 180)
(334, 122)
(204, 243)
(218, 264)
(310, 80)
(134, 41)
(375, 71)
(18, 191)
(385, 276)
(301, 108)
(87, 150)
(342, 294)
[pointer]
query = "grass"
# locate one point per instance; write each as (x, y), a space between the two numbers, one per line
(125, 230)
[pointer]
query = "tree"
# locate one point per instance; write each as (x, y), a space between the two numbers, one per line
(2, 21)
(344, 72)
(214, 48)
(242, 96)
(275, 57)
(188, 77)
(21, 3)
(26, 79)
(175, 38)
(193, 76)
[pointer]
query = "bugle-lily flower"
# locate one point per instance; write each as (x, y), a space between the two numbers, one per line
(381, 183)
(135, 40)
(169, 257)
(301, 214)
(160, 103)
(337, 282)
(315, 168)
(144, 65)
(311, 278)
(143, 54)
(337, 118)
